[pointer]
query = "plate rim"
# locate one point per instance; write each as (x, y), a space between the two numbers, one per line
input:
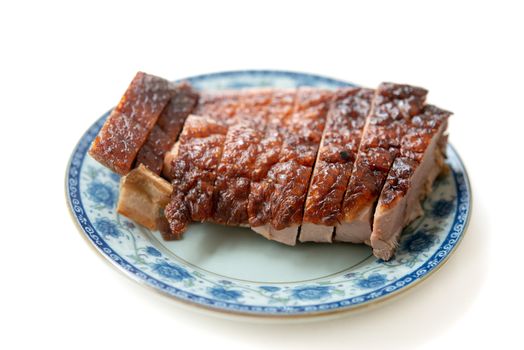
(277, 312)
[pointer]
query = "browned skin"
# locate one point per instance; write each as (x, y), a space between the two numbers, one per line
(152, 153)
(240, 152)
(261, 187)
(220, 106)
(301, 139)
(413, 147)
(337, 153)
(254, 106)
(234, 175)
(393, 107)
(129, 124)
(194, 173)
(231, 187)
(194, 188)
(167, 127)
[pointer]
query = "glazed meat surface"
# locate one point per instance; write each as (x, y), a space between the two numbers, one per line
(338, 150)
(261, 186)
(299, 150)
(194, 172)
(394, 106)
(232, 153)
(283, 169)
(130, 123)
(254, 107)
(240, 152)
(350, 164)
(420, 161)
(232, 185)
(167, 128)
(220, 106)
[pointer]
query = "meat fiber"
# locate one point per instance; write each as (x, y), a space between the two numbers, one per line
(130, 123)
(410, 179)
(168, 126)
(143, 197)
(338, 150)
(393, 108)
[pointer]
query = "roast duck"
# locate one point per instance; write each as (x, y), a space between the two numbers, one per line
(304, 164)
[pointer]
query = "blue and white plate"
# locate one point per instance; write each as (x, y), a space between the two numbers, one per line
(237, 271)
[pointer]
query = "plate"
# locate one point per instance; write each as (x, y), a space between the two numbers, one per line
(234, 270)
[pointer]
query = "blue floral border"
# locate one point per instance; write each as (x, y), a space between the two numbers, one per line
(75, 202)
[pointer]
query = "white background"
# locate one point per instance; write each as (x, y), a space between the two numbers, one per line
(63, 65)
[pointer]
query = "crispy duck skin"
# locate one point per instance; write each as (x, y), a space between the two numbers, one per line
(167, 128)
(297, 157)
(277, 201)
(282, 176)
(254, 107)
(241, 147)
(420, 161)
(246, 112)
(220, 106)
(232, 185)
(193, 172)
(394, 105)
(337, 152)
(130, 123)
(261, 185)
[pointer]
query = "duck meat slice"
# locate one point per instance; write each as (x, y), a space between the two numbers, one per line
(193, 173)
(246, 113)
(167, 128)
(393, 107)
(261, 186)
(239, 155)
(232, 185)
(410, 179)
(218, 106)
(290, 176)
(128, 126)
(337, 152)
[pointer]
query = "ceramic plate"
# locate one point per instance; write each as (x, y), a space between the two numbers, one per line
(235, 270)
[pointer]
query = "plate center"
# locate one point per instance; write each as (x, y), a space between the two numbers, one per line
(239, 253)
